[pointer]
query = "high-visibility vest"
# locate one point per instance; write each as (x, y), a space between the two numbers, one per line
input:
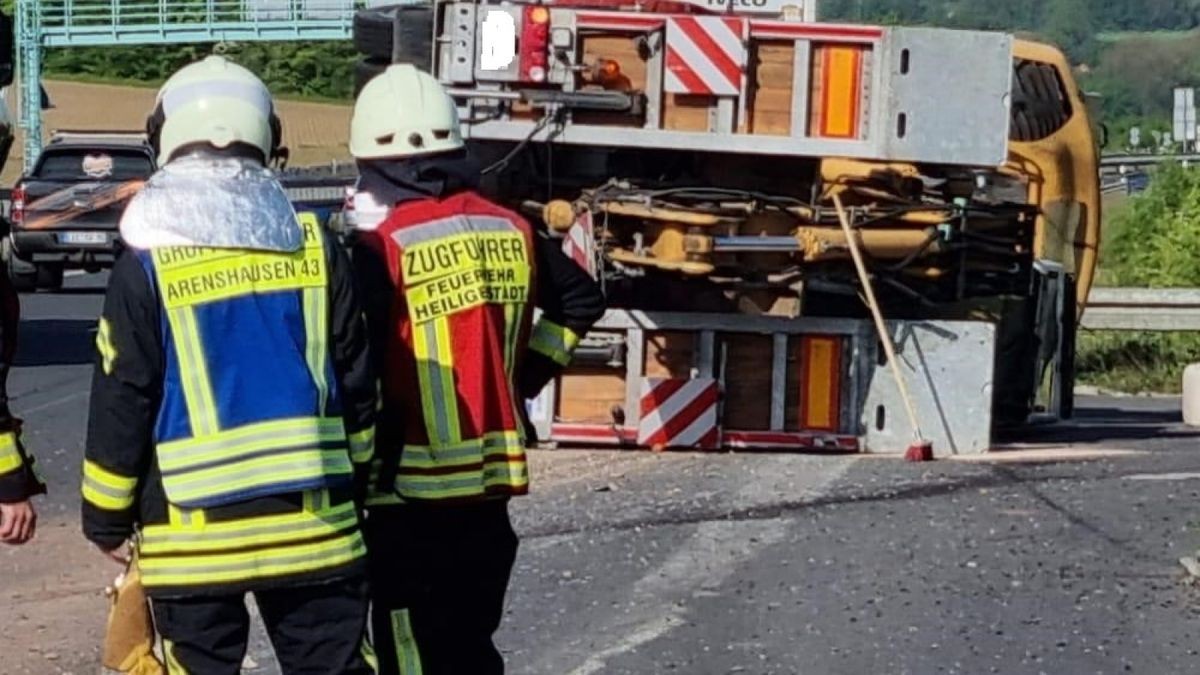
(250, 406)
(465, 277)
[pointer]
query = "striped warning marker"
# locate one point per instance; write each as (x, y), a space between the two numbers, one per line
(705, 55)
(678, 413)
(578, 243)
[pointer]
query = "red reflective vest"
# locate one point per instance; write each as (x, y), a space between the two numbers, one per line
(464, 274)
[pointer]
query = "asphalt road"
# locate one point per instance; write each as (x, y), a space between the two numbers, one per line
(1057, 555)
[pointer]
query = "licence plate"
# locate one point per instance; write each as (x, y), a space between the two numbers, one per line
(91, 238)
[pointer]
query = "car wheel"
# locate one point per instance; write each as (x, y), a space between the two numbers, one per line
(411, 42)
(23, 275)
(49, 276)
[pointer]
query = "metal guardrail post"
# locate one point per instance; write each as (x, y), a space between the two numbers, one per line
(29, 47)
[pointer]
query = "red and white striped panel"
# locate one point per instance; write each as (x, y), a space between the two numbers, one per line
(578, 243)
(705, 55)
(679, 413)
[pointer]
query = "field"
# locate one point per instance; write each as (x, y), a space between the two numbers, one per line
(315, 132)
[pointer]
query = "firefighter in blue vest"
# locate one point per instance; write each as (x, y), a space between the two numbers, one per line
(232, 408)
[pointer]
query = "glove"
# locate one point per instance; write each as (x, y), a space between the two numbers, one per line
(129, 637)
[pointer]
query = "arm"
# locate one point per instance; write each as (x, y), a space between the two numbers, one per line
(126, 390)
(352, 364)
(18, 481)
(571, 302)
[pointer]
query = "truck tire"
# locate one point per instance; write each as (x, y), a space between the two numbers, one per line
(411, 43)
(49, 276)
(365, 70)
(1039, 103)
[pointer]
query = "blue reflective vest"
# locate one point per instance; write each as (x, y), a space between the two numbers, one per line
(250, 405)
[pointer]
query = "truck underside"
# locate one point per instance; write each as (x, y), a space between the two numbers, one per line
(671, 221)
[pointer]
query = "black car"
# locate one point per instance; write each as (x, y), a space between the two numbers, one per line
(66, 211)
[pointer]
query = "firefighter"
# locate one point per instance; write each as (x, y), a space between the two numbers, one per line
(449, 282)
(18, 480)
(233, 400)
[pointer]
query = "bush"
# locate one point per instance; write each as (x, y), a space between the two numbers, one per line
(1153, 243)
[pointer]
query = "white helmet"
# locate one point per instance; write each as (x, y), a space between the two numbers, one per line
(403, 112)
(217, 102)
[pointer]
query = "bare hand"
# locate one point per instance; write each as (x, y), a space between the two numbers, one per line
(119, 555)
(18, 522)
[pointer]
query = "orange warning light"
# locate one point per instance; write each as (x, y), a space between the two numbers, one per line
(539, 15)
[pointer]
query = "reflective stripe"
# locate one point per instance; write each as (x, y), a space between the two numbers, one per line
(553, 341)
(197, 388)
(435, 366)
(408, 657)
(502, 443)
(471, 483)
(261, 531)
(174, 667)
(362, 445)
(287, 471)
(250, 93)
(178, 455)
(368, 654)
(448, 227)
(10, 455)
(316, 328)
(107, 490)
(184, 570)
(104, 345)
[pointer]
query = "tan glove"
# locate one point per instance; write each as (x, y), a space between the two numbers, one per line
(129, 638)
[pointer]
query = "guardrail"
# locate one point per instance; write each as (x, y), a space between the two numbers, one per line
(1143, 309)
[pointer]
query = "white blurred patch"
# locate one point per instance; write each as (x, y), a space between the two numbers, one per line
(498, 41)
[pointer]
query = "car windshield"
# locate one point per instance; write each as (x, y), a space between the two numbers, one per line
(84, 164)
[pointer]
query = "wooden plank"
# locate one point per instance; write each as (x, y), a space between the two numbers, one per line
(747, 403)
(687, 112)
(671, 354)
(588, 395)
(770, 109)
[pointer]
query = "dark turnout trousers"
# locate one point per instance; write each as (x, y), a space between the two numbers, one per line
(315, 630)
(438, 579)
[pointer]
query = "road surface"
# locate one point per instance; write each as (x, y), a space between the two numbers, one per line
(1057, 555)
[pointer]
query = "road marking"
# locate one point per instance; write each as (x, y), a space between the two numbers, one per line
(710, 556)
(1163, 476)
(74, 273)
(56, 402)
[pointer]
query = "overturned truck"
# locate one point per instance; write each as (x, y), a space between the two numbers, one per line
(688, 152)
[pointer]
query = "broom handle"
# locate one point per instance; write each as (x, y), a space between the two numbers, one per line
(884, 336)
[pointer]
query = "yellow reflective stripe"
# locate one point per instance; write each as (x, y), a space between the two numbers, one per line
(504, 443)
(368, 654)
(464, 484)
(261, 531)
(235, 476)
(104, 345)
(194, 570)
(405, 643)
(174, 667)
(435, 369)
(193, 372)
(362, 445)
(10, 456)
(316, 328)
(105, 489)
(230, 444)
(553, 341)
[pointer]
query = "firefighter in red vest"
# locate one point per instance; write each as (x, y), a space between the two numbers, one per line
(450, 281)
(18, 480)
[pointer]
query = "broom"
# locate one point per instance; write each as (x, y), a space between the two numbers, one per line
(921, 450)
